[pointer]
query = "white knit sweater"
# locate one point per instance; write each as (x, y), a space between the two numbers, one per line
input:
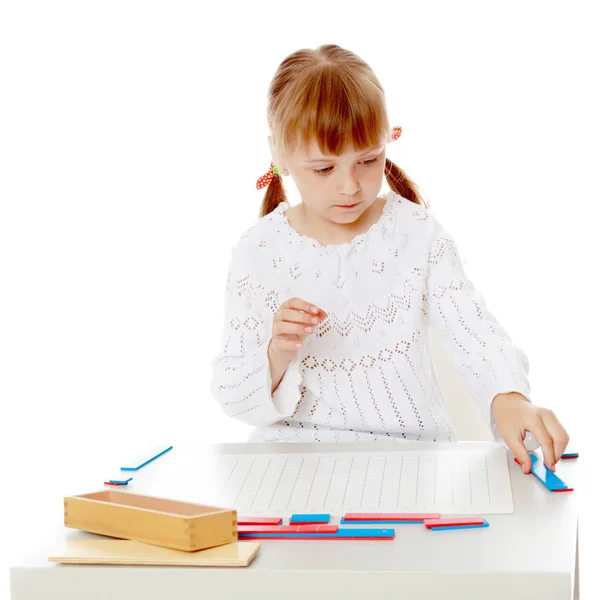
(366, 373)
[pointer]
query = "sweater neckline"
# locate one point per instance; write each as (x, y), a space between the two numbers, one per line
(357, 240)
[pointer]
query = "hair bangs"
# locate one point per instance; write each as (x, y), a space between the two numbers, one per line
(335, 112)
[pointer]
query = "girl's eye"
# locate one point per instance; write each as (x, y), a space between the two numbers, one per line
(326, 171)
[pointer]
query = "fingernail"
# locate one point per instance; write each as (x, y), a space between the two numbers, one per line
(314, 310)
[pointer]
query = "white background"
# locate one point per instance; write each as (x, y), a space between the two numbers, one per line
(131, 137)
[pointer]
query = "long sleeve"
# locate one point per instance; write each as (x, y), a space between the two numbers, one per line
(241, 377)
(480, 349)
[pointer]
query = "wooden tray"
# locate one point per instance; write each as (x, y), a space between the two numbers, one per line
(158, 521)
(127, 552)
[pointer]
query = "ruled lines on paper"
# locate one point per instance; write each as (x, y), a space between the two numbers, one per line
(462, 482)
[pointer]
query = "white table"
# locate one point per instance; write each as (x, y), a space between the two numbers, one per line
(529, 554)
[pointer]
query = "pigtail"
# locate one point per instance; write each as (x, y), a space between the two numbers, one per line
(401, 184)
(274, 196)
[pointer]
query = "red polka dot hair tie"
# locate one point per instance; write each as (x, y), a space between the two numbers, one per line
(265, 180)
(395, 133)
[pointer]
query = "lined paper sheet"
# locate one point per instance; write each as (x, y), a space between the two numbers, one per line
(464, 482)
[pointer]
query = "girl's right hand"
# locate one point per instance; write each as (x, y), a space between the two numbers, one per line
(294, 321)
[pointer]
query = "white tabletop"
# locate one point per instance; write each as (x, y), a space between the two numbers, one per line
(529, 554)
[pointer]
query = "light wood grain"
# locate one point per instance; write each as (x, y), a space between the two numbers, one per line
(151, 520)
(127, 552)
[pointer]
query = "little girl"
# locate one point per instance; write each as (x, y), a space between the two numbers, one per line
(328, 302)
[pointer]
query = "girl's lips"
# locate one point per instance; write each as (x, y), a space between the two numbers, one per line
(348, 205)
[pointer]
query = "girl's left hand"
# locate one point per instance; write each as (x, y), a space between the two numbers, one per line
(515, 416)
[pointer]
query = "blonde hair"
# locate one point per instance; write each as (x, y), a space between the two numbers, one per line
(331, 95)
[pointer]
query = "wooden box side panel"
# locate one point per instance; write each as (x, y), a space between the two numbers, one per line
(127, 522)
(213, 530)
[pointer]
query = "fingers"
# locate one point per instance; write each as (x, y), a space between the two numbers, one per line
(294, 321)
(307, 307)
(541, 434)
(286, 345)
(297, 316)
(286, 327)
(515, 443)
(560, 438)
(541, 423)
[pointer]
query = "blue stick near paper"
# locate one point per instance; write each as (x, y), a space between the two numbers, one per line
(143, 464)
(309, 518)
(547, 477)
(485, 524)
(120, 481)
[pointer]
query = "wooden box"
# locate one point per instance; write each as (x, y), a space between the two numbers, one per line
(158, 521)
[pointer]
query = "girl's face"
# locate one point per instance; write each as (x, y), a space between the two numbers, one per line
(340, 188)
